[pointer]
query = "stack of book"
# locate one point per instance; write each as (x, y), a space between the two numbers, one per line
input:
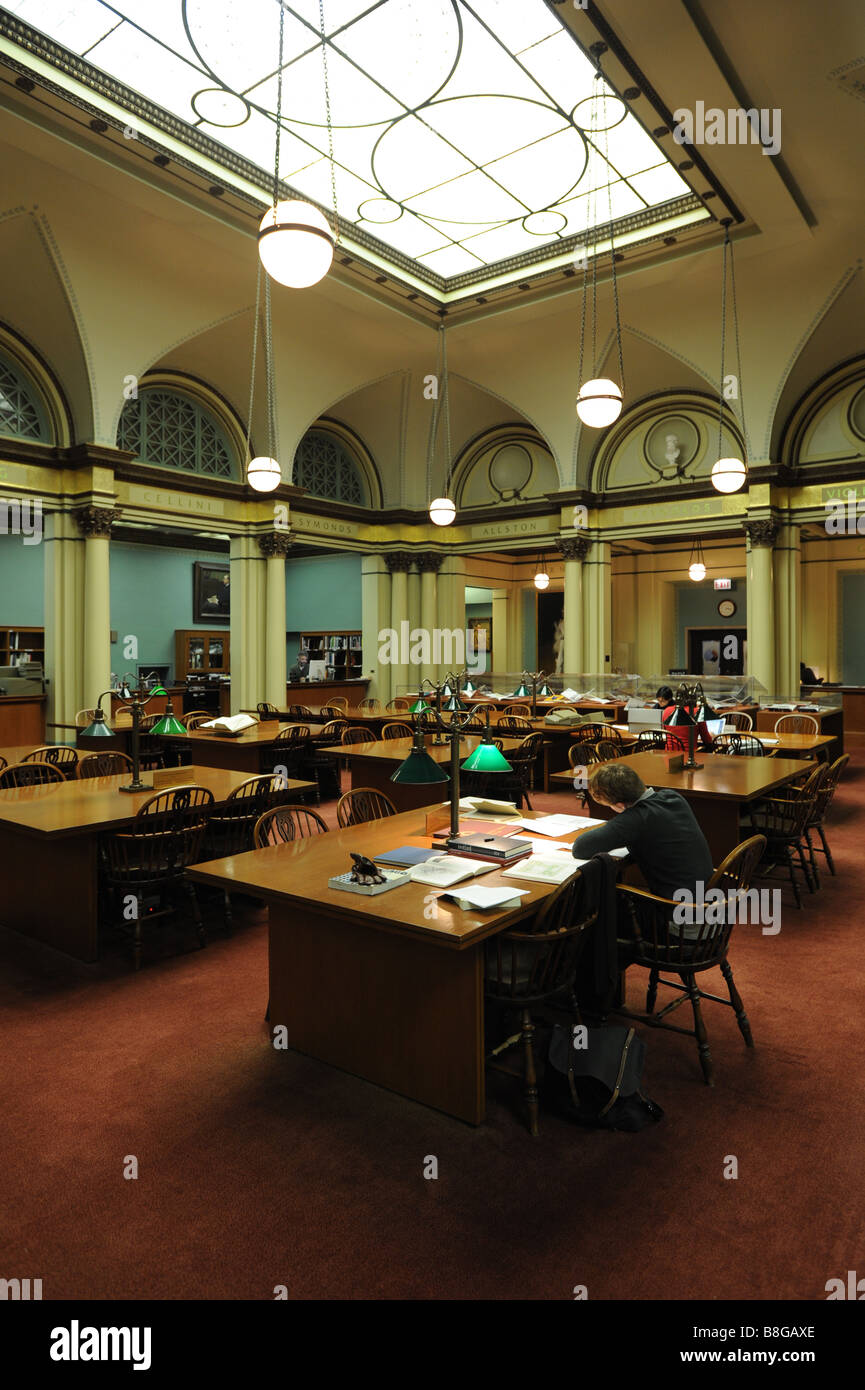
(494, 849)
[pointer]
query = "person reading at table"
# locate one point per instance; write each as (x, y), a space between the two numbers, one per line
(655, 825)
(677, 738)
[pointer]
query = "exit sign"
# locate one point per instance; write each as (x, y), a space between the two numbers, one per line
(723, 583)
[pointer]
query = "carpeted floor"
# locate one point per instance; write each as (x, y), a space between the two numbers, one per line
(257, 1168)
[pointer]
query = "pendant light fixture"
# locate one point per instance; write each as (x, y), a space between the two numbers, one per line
(599, 401)
(542, 579)
(263, 472)
(442, 510)
(697, 566)
(295, 241)
(729, 474)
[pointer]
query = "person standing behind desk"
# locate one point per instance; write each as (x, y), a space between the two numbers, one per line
(677, 738)
(300, 670)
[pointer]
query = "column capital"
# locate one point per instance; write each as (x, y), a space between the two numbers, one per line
(429, 563)
(761, 533)
(573, 547)
(95, 521)
(275, 544)
(399, 561)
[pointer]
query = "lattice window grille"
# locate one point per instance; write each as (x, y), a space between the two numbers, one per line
(325, 469)
(166, 429)
(20, 414)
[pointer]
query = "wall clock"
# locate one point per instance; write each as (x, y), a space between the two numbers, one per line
(726, 608)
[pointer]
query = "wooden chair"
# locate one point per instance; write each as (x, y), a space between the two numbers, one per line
(357, 734)
(195, 721)
(524, 710)
(282, 824)
(66, 759)
(298, 713)
(150, 857)
(103, 765)
(85, 717)
(607, 750)
(740, 746)
(797, 724)
(742, 721)
(3, 763)
(589, 733)
(339, 702)
(196, 714)
(289, 750)
(331, 711)
(396, 731)
(400, 705)
(150, 750)
(535, 965)
(514, 723)
(825, 794)
(323, 767)
(661, 947)
(783, 820)
(515, 785)
(370, 706)
(361, 805)
(265, 710)
(36, 774)
(230, 827)
(481, 706)
(648, 739)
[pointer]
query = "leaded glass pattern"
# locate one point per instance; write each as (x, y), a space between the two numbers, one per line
(324, 468)
(20, 412)
(172, 431)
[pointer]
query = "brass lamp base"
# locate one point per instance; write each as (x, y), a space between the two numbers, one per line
(137, 787)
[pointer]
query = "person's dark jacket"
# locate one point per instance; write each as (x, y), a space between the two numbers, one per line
(662, 837)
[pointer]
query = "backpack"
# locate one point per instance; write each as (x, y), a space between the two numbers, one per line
(598, 1085)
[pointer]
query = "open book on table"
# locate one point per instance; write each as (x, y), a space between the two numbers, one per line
(447, 869)
(230, 724)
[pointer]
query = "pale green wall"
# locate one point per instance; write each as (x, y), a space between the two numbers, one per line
(151, 596)
(22, 584)
(322, 594)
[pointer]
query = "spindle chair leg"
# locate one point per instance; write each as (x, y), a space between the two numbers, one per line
(826, 850)
(531, 1087)
(652, 992)
(738, 1006)
(700, 1029)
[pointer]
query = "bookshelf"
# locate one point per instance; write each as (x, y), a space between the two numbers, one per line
(341, 651)
(15, 641)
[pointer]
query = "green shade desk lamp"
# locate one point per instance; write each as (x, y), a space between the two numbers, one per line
(167, 725)
(419, 769)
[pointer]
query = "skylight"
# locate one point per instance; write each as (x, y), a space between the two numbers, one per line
(463, 129)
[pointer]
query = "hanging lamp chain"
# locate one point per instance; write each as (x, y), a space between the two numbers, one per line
(271, 394)
(738, 351)
(278, 106)
(723, 343)
(446, 406)
(613, 275)
(255, 328)
(328, 119)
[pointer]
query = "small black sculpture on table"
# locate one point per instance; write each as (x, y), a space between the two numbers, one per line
(364, 871)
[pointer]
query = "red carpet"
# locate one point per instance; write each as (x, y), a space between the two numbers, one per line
(259, 1168)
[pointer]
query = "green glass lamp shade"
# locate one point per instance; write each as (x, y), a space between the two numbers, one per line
(420, 706)
(157, 690)
(523, 690)
(446, 690)
(419, 769)
(486, 758)
(705, 712)
(169, 724)
(468, 688)
(453, 705)
(545, 691)
(98, 729)
(680, 717)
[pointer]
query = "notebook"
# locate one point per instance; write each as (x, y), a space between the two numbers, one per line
(405, 857)
(485, 898)
(544, 868)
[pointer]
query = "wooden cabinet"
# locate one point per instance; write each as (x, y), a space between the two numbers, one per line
(340, 651)
(199, 652)
(22, 644)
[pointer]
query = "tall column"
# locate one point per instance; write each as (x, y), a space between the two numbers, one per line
(375, 621)
(574, 551)
(597, 608)
(274, 546)
(64, 622)
(761, 601)
(501, 647)
(399, 564)
(429, 566)
(788, 610)
(248, 613)
(95, 524)
(451, 614)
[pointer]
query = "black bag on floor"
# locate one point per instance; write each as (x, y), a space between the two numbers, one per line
(598, 1085)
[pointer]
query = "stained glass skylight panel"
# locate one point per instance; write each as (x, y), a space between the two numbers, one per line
(462, 129)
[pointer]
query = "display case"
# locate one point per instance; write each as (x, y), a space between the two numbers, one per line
(199, 652)
(724, 692)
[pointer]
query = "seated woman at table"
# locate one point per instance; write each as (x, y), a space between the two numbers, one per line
(677, 738)
(655, 825)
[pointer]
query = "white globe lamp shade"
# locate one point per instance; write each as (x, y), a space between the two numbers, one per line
(599, 402)
(295, 244)
(728, 475)
(542, 580)
(697, 571)
(442, 511)
(263, 474)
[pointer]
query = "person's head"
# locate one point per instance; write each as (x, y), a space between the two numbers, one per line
(303, 659)
(665, 695)
(615, 785)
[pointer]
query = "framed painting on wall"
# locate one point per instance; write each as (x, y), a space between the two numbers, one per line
(211, 593)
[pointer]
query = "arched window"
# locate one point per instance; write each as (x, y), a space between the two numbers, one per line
(21, 411)
(324, 468)
(171, 430)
